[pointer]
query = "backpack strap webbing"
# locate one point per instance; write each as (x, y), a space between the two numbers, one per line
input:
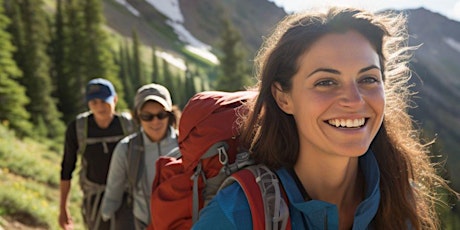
(135, 157)
(269, 209)
(81, 125)
(213, 184)
(82, 131)
(126, 122)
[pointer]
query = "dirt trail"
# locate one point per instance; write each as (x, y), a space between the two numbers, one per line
(7, 223)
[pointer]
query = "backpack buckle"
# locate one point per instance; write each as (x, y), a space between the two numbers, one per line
(223, 156)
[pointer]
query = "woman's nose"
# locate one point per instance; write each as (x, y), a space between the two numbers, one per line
(351, 96)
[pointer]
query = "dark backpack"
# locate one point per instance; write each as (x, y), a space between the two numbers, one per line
(211, 159)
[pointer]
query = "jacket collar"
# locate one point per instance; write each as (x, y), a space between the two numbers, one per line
(171, 136)
(318, 214)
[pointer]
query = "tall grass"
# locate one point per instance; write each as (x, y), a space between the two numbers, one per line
(29, 182)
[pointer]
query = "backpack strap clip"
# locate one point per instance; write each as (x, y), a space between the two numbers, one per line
(223, 156)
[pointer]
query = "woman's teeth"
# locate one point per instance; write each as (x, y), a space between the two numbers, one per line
(348, 123)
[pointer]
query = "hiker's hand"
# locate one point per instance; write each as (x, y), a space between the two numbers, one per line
(65, 220)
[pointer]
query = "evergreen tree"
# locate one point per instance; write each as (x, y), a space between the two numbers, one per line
(73, 80)
(234, 69)
(84, 53)
(136, 62)
(99, 60)
(29, 29)
(177, 90)
(13, 97)
(60, 74)
(123, 63)
(155, 71)
(168, 79)
(189, 84)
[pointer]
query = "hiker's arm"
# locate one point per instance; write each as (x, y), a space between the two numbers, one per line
(67, 167)
(65, 219)
(229, 210)
(116, 181)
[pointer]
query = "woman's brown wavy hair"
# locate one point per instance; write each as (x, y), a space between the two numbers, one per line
(408, 180)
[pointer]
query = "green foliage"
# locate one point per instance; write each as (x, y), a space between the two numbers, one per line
(190, 85)
(27, 200)
(168, 79)
(58, 50)
(13, 98)
(21, 159)
(30, 31)
(137, 67)
(234, 69)
(123, 62)
(29, 178)
(155, 70)
(82, 52)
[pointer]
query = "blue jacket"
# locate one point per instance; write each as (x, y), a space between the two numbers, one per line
(230, 209)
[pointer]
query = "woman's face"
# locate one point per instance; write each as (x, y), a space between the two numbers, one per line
(154, 127)
(337, 96)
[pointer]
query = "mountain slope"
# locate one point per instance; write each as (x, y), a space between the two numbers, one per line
(437, 79)
(254, 19)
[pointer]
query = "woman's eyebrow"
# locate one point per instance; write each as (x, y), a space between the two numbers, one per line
(369, 68)
(334, 71)
(327, 70)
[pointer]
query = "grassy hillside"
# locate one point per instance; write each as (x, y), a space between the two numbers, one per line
(29, 178)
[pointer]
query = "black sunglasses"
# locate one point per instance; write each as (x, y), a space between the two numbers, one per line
(149, 116)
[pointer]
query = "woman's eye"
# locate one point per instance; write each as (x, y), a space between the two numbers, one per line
(325, 83)
(369, 80)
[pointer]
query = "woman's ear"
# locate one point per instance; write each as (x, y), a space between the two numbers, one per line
(282, 98)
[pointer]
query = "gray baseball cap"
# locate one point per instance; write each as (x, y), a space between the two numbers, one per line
(153, 92)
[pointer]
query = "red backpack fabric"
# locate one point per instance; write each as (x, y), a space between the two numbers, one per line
(208, 143)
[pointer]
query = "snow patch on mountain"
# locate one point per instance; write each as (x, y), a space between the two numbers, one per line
(177, 62)
(129, 7)
(452, 43)
(171, 9)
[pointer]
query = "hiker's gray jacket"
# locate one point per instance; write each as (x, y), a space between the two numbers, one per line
(117, 180)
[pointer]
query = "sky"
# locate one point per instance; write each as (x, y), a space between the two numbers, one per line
(448, 8)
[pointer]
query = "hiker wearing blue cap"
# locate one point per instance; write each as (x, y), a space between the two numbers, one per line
(92, 137)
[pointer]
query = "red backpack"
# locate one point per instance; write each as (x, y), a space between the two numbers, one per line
(210, 160)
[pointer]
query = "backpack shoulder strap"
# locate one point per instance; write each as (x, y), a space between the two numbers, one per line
(126, 121)
(135, 157)
(81, 125)
(267, 202)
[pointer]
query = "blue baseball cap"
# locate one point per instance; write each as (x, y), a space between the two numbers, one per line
(101, 89)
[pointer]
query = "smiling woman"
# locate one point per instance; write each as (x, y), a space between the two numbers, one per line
(136, 154)
(330, 119)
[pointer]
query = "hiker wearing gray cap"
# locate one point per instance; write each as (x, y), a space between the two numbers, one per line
(133, 162)
(92, 137)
